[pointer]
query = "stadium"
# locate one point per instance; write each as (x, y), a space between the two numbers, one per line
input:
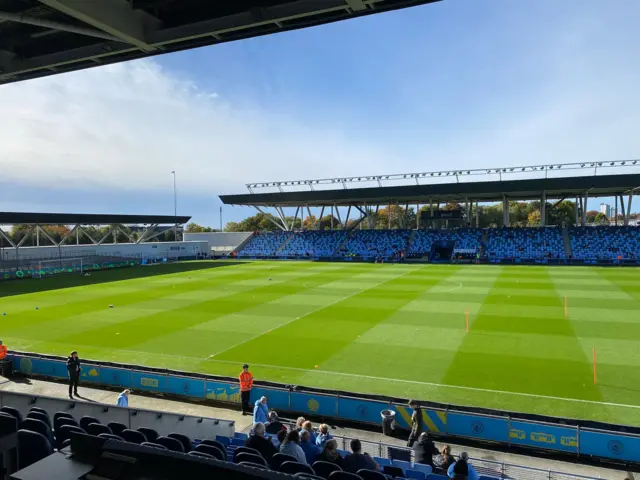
(492, 298)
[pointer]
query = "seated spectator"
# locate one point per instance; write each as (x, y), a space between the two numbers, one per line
(311, 451)
(291, 446)
(445, 459)
(274, 425)
(299, 422)
(462, 469)
(308, 426)
(424, 449)
(330, 453)
(281, 435)
(260, 442)
(260, 411)
(357, 460)
(323, 436)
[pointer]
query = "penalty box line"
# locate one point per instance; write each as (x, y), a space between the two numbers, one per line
(431, 384)
(210, 357)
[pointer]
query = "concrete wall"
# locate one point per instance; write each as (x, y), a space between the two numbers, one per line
(219, 241)
(140, 250)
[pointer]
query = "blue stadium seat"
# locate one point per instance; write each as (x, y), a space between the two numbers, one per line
(426, 469)
(525, 243)
(311, 244)
(264, 244)
(415, 474)
(467, 240)
(605, 243)
(376, 244)
(382, 461)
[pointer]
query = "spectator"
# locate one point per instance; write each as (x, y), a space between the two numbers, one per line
(357, 460)
(291, 446)
(260, 443)
(260, 410)
(282, 434)
(424, 449)
(299, 422)
(416, 423)
(311, 451)
(308, 426)
(445, 459)
(462, 469)
(73, 367)
(330, 453)
(274, 425)
(246, 383)
(123, 398)
(324, 435)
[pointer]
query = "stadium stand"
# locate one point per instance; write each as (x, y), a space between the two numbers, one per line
(314, 244)
(372, 244)
(28, 427)
(462, 239)
(605, 243)
(588, 244)
(264, 244)
(525, 243)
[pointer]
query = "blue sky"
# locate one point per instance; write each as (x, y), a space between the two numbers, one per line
(457, 84)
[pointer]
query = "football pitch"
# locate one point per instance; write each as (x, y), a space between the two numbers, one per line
(395, 330)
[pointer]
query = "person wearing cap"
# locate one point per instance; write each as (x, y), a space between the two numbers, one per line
(246, 382)
(73, 367)
(3, 351)
(462, 469)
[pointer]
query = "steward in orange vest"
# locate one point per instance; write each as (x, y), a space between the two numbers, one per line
(246, 382)
(3, 351)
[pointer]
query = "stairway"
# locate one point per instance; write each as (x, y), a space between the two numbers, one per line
(284, 244)
(242, 244)
(341, 244)
(410, 241)
(567, 242)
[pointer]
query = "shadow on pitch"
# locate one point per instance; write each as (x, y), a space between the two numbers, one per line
(57, 282)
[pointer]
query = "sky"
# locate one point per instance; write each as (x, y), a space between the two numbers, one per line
(456, 84)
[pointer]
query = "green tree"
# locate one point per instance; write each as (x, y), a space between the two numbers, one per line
(195, 228)
(592, 215)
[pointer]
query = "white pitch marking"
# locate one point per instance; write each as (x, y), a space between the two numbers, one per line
(430, 384)
(312, 312)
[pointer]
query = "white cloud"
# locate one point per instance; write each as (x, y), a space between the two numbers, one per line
(128, 126)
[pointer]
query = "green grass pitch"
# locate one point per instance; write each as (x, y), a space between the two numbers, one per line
(387, 329)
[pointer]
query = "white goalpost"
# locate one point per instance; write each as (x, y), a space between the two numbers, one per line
(58, 266)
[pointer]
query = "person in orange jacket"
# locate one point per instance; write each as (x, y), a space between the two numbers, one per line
(246, 383)
(3, 351)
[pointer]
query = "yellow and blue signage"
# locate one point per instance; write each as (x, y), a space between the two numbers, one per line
(543, 435)
(568, 439)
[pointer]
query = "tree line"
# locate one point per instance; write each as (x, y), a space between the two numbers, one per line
(521, 214)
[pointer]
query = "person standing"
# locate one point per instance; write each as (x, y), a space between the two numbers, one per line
(3, 351)
(123, 398)
(416, 423)
(246, 383)
(260, 411)
(73, 367)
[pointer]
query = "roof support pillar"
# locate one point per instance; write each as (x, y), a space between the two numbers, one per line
(477, 215)
(505, 211)
(321, 214)
(543, 209)
(625, 214)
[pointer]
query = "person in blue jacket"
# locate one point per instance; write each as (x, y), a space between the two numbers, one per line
(260, 411)
(123, 398)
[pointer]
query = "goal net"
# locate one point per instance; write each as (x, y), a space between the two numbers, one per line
(58, 266)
